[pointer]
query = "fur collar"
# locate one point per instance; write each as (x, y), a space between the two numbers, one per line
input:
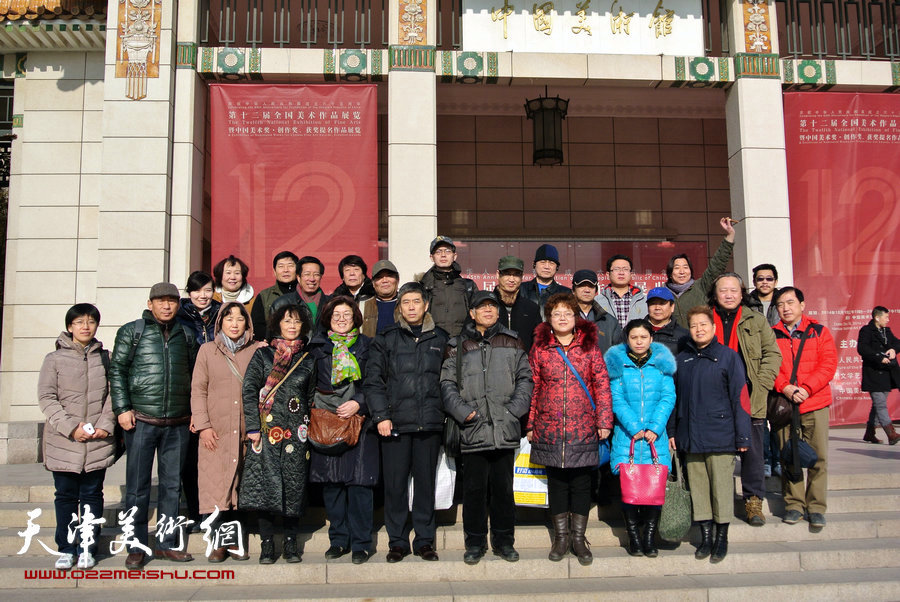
(585, 335)
(660, 357)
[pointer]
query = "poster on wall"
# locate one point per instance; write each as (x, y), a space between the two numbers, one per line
(294, 167)
(844, 186)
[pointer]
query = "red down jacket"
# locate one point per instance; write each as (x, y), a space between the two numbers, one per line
(563, 422)
(818, 362)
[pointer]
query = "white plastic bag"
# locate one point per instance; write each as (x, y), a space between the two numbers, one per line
(529, 480)
(444, 482)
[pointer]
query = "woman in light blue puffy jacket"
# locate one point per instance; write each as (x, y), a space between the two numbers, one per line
(641, 375)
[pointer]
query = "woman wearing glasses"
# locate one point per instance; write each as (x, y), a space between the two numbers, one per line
(568, 419)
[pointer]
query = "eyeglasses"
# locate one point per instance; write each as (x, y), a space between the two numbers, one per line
(620, 270)
(346, 316)
(765, 279)
(562, 316)
(443, 251)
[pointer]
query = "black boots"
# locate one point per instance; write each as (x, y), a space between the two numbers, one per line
(720, 548)
(580, 545)
(870, 436)
(290, 550)
(560, 536)
(706, 543)
(649, 542)
(632, 530)
(267, 551)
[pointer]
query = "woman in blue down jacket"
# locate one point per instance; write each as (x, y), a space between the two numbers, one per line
(643, 392)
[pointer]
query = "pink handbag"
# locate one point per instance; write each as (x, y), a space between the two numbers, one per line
(643, 484)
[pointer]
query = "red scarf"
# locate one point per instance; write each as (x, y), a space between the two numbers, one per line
(720, 330)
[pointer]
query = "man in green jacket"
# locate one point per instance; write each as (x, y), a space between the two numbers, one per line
(150, 385)
(748, 332)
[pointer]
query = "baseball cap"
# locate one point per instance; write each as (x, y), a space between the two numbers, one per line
(510, 262)
(384, 266)
(481, 296)
(582, 276)
(441, 240)
(660, 292)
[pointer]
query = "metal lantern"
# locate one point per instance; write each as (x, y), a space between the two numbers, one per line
(547, 114)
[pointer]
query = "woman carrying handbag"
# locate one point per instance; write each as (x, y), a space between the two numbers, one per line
(643, 391)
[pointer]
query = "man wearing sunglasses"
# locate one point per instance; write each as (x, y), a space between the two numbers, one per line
(765, 279)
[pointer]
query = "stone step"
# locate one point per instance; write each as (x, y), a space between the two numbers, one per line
(799, 586)
(746, 558)
(600, 533)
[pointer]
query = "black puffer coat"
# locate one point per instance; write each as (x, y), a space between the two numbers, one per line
(358, 465)
(871, 343)
(157, 381)
(522, 319)
(530, 289)
(275, 473)
(403, 377)
(673, 336)
(451, 296)
(496, 384)
(190, 317)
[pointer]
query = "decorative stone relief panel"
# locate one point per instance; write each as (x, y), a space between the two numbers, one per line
(756, 26)
(413, 22)
(137, 49)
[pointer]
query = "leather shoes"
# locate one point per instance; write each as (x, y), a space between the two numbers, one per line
(427, 552)
(359, 557)
(396, 554)
(507, 553)
(473, 554)
(135, 560)
(236, 555)
(173, 555)
(218, 555)
(335, 552)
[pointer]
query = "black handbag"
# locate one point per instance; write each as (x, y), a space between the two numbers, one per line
(779, 407)
(451, 427)
(797, 454)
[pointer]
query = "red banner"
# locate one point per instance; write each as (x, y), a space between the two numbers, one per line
(843, 157)
(294, 168)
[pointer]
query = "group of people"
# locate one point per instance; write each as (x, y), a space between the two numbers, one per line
(222, 388)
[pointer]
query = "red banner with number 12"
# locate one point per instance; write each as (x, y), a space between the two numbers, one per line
(294, 167)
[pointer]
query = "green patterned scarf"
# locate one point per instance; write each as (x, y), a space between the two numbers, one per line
(344, 366)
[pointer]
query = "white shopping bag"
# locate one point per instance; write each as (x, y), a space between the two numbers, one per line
(444, 483)
(529, 480)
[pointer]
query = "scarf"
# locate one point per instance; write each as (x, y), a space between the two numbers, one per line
(230, 345)
(343, 363)
(639, 361)
(679, 289)
(720, 330)
(284, 353)
(228, 296)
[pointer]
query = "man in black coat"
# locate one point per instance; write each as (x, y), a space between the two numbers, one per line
(609, 331)
(516, 312)
(880, 373)
(660, 307)
(543, 286)
(403, 390)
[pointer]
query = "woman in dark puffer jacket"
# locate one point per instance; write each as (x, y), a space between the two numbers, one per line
(565, 425)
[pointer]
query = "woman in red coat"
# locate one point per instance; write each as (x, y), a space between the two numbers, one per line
(565, 425)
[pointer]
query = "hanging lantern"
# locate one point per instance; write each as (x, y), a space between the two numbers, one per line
(547, 114)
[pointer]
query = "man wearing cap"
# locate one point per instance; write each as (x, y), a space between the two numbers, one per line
(450, 293)
(150, 384)
(620, 297)
(546, 264)
(609, 332)
(378, 311)
(516, 312)
(486, 387)
(660, 307)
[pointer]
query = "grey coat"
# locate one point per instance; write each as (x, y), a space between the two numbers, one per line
(72, 388)
(496, 385)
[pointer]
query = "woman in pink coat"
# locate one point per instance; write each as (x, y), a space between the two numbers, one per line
(218, 415)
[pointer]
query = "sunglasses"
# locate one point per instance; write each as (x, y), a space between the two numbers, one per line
(765, 279)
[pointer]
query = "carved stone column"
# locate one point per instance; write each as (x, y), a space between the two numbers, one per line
(412, 135)
(757, 166)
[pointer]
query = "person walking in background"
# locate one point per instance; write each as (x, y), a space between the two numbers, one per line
(641, 375)
(567, 420)
(878, 347)
(78, 444)
(711, 425)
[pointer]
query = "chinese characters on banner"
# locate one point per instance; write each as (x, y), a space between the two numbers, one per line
(654, 27)
(842, 158)
(294, 167)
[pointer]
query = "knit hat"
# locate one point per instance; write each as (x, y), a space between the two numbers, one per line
(546, 252)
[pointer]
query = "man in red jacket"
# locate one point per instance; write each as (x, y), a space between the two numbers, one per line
(811, 391)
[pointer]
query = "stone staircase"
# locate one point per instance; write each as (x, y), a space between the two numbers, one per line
(857, 556)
